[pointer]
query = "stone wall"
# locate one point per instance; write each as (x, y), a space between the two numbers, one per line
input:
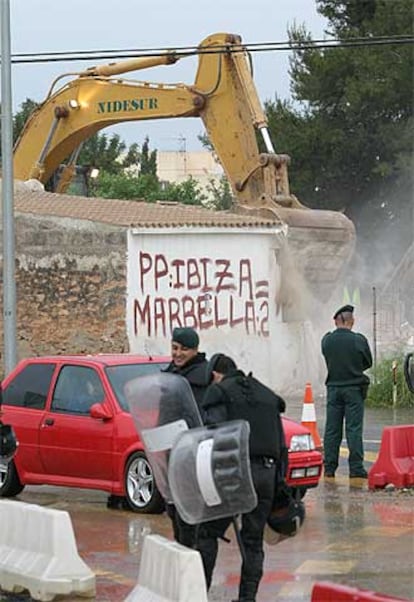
(70, 286)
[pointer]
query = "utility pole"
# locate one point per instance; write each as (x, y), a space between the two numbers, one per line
(183, 150)
(374, 329)
(9, 284)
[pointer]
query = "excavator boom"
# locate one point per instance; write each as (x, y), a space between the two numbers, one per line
(224, 96)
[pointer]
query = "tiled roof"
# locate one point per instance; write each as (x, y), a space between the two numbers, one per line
(131, 213)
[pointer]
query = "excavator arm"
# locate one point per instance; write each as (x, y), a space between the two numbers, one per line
(83, 107)
(225, 98)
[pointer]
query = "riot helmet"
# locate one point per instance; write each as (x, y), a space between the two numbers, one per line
(212, 365)
(8, 442)
(288, 520)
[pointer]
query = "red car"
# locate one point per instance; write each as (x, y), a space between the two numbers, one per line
(74, 430)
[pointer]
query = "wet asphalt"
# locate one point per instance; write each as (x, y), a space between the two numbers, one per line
(351, 536)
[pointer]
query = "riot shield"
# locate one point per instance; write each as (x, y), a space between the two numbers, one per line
(209, 472)
(163, 407)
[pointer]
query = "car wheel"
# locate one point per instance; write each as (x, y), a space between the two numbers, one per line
(9, 480)
(141, 492)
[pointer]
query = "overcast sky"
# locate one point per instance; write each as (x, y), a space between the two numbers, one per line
(53, 25)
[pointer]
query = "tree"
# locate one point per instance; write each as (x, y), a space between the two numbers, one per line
(20, 118)
(188, 192)
(221, 195)
(132, 157)
(26, 109)
(103, 152)
(350, 134)
(125, 186)
(148, 159)
(147, 187)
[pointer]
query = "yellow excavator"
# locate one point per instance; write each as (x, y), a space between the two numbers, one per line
(224, 96)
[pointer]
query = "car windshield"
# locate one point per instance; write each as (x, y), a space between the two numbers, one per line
(118, 376)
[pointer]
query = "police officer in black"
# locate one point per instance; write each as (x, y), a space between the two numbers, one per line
(188, 362)
(230, 398)
(347, 355)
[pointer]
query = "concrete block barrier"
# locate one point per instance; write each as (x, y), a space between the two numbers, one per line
(395, 462)
(332, 592)
(169, 572)
(38, 553)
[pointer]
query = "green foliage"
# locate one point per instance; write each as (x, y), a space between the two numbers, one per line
(350, 126)
(111, 156)
(148, 159)
(380, 392)
(26, 109)
(103, 152)
(302, 136)
(357, 106)
(205, 141)
(147, 187)
(20, 118)
(188, 192)
(125, 186)
(132, 157)
(221, 195)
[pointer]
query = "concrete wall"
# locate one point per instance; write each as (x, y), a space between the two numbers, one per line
(85, 287)
(70, 286)
(224, 284)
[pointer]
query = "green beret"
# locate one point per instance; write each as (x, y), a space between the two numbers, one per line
(187, 337)
(344, 309)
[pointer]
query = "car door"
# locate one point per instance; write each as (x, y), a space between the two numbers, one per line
(74, 446)
(24, 403)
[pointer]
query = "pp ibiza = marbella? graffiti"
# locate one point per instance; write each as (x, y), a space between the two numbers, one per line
(201, 292)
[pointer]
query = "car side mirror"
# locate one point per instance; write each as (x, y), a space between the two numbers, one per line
(100, 412)
(409, 371)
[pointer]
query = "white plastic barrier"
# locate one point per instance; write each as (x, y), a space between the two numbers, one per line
(38, 553)
(169, 572)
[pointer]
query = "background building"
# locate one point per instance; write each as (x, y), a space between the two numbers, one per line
(178, 166)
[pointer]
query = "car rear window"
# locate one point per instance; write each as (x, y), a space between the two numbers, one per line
(118, 377)
(29, 388)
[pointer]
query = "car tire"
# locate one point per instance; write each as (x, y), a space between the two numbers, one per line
(141, 493)
(9, 480)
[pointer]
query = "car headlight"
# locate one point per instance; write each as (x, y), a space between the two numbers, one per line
(301, 443)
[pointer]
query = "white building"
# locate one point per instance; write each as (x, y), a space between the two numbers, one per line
(178, 166)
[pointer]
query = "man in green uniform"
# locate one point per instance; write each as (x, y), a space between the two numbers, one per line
(347, 355)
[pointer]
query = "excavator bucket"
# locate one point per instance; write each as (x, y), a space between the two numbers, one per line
(321, 244)
(314, 254)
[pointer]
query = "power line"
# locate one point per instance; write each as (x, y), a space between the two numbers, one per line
(195, 48)
(182, 51)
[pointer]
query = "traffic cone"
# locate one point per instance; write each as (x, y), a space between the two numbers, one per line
(309, 416)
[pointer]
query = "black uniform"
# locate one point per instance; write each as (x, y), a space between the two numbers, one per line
(196, 374)
(231, 399)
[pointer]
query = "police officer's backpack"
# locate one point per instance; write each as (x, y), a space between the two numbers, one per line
(249, 399)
